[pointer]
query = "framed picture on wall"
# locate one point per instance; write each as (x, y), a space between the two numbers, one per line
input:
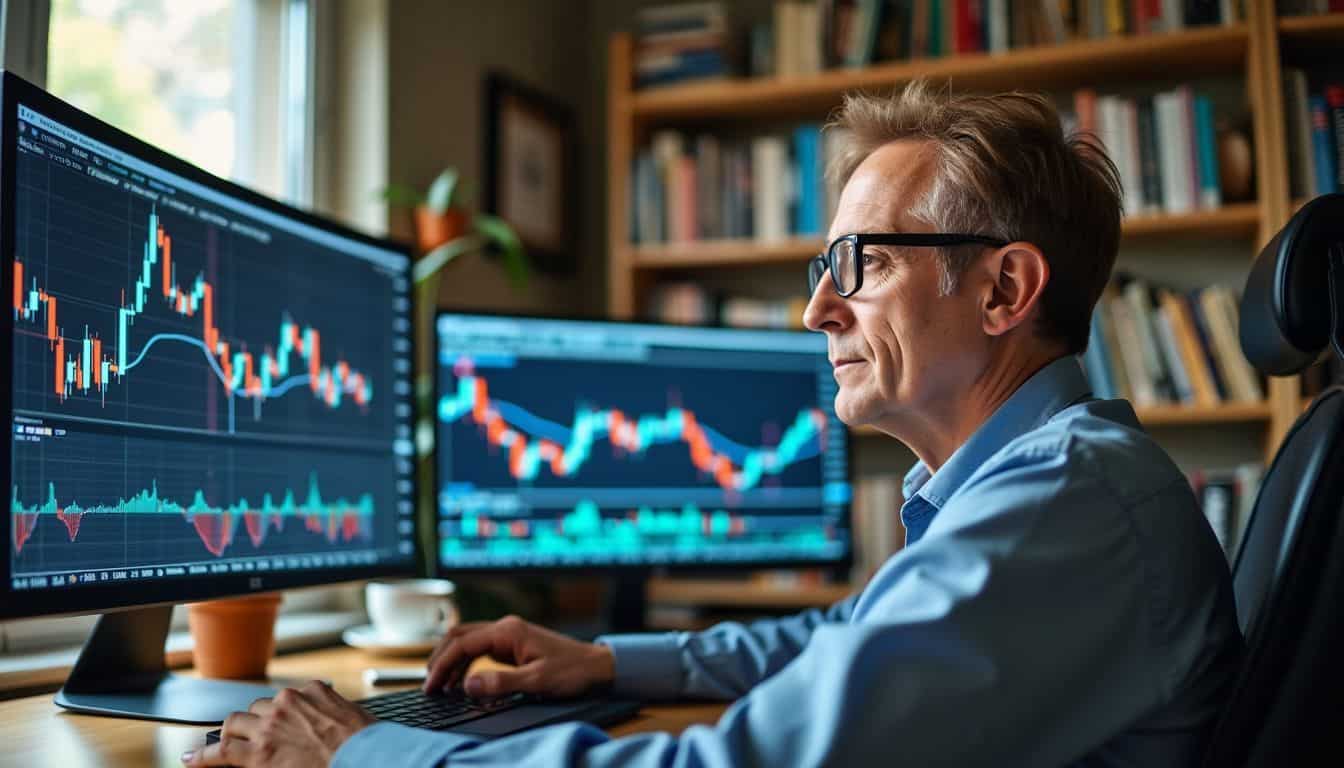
(530, 171)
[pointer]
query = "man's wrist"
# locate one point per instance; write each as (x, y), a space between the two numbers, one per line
(603, 664)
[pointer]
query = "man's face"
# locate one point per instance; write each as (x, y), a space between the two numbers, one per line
(898, 347)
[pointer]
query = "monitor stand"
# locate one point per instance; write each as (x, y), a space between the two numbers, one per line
(121, 671)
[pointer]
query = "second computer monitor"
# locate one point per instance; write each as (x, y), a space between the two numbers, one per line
(568, 443)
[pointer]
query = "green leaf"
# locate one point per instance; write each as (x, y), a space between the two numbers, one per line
(502, 236)
(436, 259)
(439, 198)
(400, 195)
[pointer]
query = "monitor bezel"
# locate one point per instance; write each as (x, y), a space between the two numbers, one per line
(31, 603)
(843, 563)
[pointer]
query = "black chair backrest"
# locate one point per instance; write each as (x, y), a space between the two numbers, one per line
(1288, 577)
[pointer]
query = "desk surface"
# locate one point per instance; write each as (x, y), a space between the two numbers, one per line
(35, 732)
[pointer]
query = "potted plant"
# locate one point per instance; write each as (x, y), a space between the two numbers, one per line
(444, 230)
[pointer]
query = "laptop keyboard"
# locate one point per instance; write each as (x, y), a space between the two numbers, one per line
(416, 709)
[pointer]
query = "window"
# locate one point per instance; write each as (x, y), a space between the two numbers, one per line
(225, 84)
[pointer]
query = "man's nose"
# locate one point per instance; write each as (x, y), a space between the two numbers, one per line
(823, 306)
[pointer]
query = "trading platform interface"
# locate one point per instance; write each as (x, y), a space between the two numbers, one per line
(564, 443)
(200, 385)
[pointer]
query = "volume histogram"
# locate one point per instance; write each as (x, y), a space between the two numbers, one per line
(76, 506)
(340, 520)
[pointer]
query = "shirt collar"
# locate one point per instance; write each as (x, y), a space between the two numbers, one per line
(1049, 391)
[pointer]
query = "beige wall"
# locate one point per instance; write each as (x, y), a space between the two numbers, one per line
(438, 56)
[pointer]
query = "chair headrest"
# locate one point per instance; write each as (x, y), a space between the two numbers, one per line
(1285, 309)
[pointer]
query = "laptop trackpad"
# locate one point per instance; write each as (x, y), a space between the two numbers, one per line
(529, 716)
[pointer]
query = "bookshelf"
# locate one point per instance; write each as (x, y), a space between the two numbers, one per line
(1235, 220)
(1205, 51)
(1247, 50)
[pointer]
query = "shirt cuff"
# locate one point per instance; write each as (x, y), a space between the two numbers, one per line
(412, 746)
(648, 666)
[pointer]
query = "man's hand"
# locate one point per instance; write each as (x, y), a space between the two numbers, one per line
(545, 662)
(296, 729)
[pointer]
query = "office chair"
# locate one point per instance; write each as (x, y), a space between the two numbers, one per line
(1287, 705)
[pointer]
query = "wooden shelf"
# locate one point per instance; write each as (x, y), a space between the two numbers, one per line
(1170, 415)
(1190, 53)
(1236, 220)
(756, 594)
(1320, 28)
(726, 253)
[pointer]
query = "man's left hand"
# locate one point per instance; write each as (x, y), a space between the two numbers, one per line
(298, 728)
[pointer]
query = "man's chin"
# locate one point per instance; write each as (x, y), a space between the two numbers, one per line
(852, 414)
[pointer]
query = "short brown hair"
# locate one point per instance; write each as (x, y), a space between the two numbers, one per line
(1003, 168)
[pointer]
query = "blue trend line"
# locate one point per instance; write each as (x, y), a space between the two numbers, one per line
(534, 425)
(281, 389)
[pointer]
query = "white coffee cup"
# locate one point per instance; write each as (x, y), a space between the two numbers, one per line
(410, 610)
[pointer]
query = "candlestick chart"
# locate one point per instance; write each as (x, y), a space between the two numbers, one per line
(197, 379)
(158, 317)
(547, 460)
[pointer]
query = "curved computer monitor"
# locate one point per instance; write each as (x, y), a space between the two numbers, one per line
(579, 444)
(208, 393)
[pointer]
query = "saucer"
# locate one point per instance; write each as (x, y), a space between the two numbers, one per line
(368, 639)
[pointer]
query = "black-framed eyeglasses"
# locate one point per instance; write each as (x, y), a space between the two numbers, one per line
(844, 257)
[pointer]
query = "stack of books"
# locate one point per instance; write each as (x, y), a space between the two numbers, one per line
(1162, 347)
(1314, 119)
(678, 43)
(1165, 147)
(767, 187)
(811, 36)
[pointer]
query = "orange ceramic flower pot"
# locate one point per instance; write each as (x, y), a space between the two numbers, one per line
(434, 229)
(234, 639)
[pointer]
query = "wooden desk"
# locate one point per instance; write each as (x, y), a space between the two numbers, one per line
(35, 733)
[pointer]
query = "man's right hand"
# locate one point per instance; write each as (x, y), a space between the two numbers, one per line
(545, 662)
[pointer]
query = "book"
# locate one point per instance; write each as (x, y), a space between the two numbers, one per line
(1210, 196)
(1322, 145)
(1297, 118)
(1203, 391)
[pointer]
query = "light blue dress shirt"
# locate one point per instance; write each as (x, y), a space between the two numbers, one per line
(1060, 601)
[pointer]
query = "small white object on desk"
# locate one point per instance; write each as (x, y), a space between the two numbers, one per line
(394, 675)
(367, 638)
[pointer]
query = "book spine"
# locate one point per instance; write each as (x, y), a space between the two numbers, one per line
(1135, 201)
(1195, 310)
(1322, 149)
(1148, 157)
(1210, 194)
(1334, 99)
(1297, 116)
(1171, 354)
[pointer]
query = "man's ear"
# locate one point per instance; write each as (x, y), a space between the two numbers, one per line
(1018, 275)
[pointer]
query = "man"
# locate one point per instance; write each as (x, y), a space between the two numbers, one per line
(1060, 599)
